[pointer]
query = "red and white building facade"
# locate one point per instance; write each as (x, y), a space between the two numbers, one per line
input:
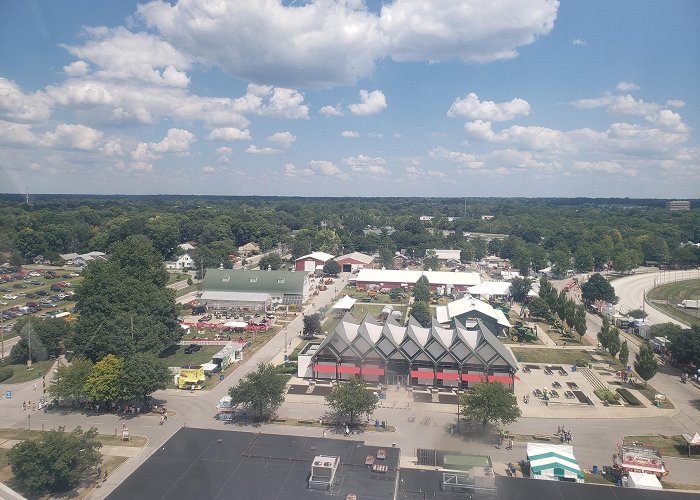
(409, 355)
(351, 262)
(313, 262)
(442, 282)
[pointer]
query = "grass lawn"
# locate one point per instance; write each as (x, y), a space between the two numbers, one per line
(21, 374)
(678, 486)
(175, 355)
(649, 392)
(553, 356)
(668, 446)
(107, 440)
(675, 293)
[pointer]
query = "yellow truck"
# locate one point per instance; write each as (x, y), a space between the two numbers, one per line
(191, 377)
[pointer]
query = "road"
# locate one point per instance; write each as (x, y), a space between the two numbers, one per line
(631, 290)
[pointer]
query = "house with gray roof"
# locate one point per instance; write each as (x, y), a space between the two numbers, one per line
(254, 289)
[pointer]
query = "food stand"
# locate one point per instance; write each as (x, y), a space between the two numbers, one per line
(637, 458)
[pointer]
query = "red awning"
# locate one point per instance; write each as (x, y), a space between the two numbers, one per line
(504, 379)
(419, 374)
(447, 376)
(349, 369)
(370, 370)
(324, 368)
(472, 377)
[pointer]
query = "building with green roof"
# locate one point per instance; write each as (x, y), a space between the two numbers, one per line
(254, 289)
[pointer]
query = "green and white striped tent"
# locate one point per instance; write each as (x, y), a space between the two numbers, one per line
(553, 462)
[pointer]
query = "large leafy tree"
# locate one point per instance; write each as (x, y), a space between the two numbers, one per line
(490, 402)
(684, 345)
(580, 321)
(519, 288)
(124, 305)
(421, 312)
(351, 399)
(312, 325)
(645, 363)
(70, 381)
(604, 335)
(421, 290)
(538, 307)
(614, 344)
(331, 268)
(624, 354)
(431, 261)
(143, 374)
(598, 288)
(57, 462)
(261, 390)
(272, 261)
(104, 379)
(47, 337)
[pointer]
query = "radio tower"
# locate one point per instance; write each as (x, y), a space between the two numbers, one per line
(26, 197)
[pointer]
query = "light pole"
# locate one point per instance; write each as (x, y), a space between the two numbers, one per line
(285, 340)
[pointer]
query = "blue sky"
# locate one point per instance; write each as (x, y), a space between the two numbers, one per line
(336, 98)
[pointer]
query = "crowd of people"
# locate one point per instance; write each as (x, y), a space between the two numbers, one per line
(564, 435)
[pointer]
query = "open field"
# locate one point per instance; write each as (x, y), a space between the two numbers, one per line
(175, 355)
(665, 297)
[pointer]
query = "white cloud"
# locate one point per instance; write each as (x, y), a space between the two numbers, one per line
(229, 134)
(621, 104)
(675, 103)
(324, 167)
(627, 86)
(253, 149)
(331, 111)
(113, 148)
(608, 167)
(176, 141)
(578, 41)
(123, 55)
(370, 103)
(224, 154)
(73, 137)
(350, 134)
(472, 108)
(76, 68)
(284, 139)
(465, 160)
(17, 134)
(366, 165)
(416, 174)
(375, 135)
(16, 106)
(290, 170)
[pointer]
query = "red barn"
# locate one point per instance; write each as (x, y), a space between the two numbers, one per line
(312, 263)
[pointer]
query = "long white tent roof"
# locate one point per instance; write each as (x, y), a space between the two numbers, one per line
(444, 314)
(345, 303)
(410, 277)
(491, 288)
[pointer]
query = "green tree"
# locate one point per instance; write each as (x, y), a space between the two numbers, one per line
(624, 354)
(490, 402)
(637, 314)
(580, 321)
(431, 261)
(386, 258)
(467, 252)
(30, 243)
(57, 462)
(351, 399)
(684, 345)
(614, 344)
(421, 312)
(271, 261)
(604, 334)
(143, 374)
(538, 308)
(519, 288)
(331, 268)
(561, 259)
(103, 382)
(645, 363)
(598, 288)
(261, 390)
(312, 325)
(70, 381)
(47, 335)
(480, 248)
(421, 290)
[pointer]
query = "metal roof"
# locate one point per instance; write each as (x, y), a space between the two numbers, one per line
(261, 281)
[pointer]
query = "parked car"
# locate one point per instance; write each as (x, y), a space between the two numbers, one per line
(205, 318)
(42, 293)
(9, 296)
(192, 348)
(19, 286)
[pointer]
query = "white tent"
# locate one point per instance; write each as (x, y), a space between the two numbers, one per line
(236, 324)
(643, 481)
(553, 462)
(345, 303)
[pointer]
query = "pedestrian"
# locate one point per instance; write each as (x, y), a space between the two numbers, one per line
(35, 386)
(33, 406)
(510, 444)
(347, 430)
(558, 430)
(325, 433)
(24, 406)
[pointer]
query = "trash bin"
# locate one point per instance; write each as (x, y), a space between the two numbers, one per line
(376, 423)
(594, 470)
(221, 377)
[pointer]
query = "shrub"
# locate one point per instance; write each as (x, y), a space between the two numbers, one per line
(582, 364)
(6, 373)
(629, 397)
(607, 395)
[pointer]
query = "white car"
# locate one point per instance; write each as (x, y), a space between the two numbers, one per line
(9, 296)
(35, 274)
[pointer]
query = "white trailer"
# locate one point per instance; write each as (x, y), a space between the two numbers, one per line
(690, 304)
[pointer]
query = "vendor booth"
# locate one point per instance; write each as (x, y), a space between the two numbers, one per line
(553, 462)
(190, 377)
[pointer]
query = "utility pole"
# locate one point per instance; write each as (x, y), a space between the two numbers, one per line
(29, 342)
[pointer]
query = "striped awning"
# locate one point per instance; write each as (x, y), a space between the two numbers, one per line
(553, 461)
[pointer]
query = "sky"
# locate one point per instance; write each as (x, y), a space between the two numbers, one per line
(443, 98)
